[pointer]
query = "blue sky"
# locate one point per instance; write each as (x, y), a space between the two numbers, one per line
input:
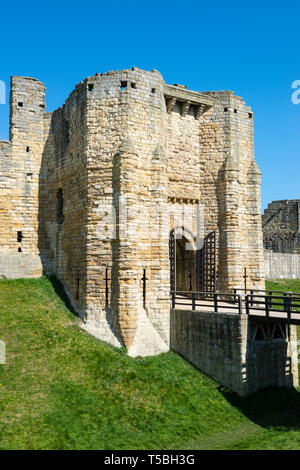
(251, 48)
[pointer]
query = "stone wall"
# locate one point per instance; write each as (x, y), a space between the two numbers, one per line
(230, 189)
(63, 192)
(20, 161)
(228, 348)
(127, 136)
(281, 226)
(282, 265)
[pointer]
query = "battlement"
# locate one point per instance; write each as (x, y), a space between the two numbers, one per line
(128, 135)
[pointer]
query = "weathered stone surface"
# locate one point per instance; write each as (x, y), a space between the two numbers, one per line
(126, 135)
(282, 265)
(281, 237)
(226, 347)
(281, 226)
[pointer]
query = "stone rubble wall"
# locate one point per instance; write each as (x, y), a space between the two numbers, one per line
(126, 134)
(63, 175)
(281, 226)
(20, 161)
(230, 189)
(223, 347)
(125, 161)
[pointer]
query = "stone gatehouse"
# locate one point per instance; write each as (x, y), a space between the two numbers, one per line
(113, 191)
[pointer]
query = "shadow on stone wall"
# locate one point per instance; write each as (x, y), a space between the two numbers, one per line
(62, 223)
(61, 293)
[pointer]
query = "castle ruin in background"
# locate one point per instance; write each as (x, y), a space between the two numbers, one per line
(128, 135)
(281, 235)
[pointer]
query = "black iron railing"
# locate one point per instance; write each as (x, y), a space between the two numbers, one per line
(252, 304)
(217, 300)
(288, 304)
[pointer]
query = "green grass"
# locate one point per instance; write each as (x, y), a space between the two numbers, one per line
(63, 389)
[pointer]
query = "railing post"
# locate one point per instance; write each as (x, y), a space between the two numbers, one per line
(267, 300)
(216, 302)
(252, 293)
(288, 308)
(270, 299)
(291, 300)
(173, 299)
(240, 304)
(247, 305)
(193, 302)
(284, 302)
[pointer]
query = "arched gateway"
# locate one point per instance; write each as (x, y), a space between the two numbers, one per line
(192, 268)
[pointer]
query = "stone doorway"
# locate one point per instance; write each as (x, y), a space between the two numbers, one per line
(183, 263)
(192, 269)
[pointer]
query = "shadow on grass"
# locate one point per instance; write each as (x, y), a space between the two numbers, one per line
(269, 407)
(61, 293)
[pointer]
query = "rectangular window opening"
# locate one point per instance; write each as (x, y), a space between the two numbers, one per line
(225, 110)
(123, 85)
(153, 90)
(91, 87)
(20, 104)
(27, 149)
(133, 85)
(19, 236)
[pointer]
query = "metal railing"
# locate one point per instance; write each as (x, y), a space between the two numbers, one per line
(215, 299)
(252, 304)
(288, 303)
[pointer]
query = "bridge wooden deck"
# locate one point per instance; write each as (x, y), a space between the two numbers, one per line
(260, 307)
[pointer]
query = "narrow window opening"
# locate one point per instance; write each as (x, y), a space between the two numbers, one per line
(20, 104)
(77, 287)
(67, 132)
(42, 106)
(19, 236)
(250, 115)
(235, 110)
(192, 110)
(19, 250)
(133, 85)
(153, 90)
(225, 110)
(123, 85)
(60, 206)
(91, 87)
(27, 149)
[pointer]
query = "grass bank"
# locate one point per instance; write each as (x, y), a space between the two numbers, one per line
(63, 389)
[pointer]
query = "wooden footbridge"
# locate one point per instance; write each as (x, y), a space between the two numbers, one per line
(260, 305)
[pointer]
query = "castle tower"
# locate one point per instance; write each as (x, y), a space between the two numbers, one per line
(127, 145)
(230, 226)
(255, 240)
(126, 295)
(20, 160)
(27, 110)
